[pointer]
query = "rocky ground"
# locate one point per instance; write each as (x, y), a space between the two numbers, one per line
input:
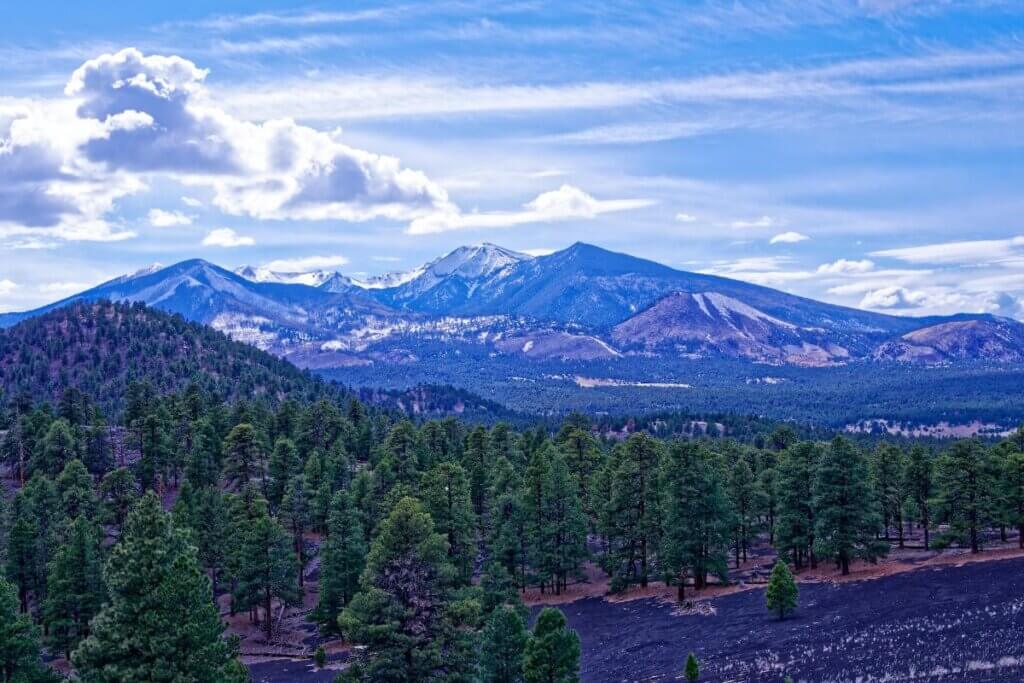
(946, 623)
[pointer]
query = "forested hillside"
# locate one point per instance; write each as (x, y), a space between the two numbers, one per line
(99, 348)
(269, 511)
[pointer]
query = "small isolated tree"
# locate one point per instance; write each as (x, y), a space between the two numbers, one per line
(553, 653)
(504, 642)
(692, 669)
(782, 592)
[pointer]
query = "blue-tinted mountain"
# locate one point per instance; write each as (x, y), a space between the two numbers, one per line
(583, 303)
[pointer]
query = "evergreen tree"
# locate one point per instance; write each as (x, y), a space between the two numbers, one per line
(691, 670)
(243, 455)
(59, 447)
(794, 529)
(696, 513)
(552, 654)
(445, 492)
(1013, 483)
(295, 516)
(342, 558)
(118, 492)
(267, 568)
(846, 517)
(743, 497)
(160, 623)
(782, 592)
(888, 476)
(76, 492)
(504, 641)
(919, 486)
(398, 612)
(20, 660)
(475, 462)
(583, 456)
(633, 516)
(75, 588)
(966, 487)
(284, 464)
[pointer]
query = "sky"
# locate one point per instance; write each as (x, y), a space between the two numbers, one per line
(862, 152)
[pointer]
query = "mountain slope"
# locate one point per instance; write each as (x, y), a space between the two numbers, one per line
(582, 304)
(99, 347)
(1001, 341)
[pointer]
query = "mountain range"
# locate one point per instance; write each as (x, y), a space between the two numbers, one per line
(582, 303)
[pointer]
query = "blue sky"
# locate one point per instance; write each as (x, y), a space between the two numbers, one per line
(867, 153)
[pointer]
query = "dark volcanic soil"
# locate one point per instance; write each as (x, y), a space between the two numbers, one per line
(950, 624)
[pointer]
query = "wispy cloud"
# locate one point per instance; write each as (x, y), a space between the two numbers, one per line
(226, 237)
(788, 238)
(306, 264)
(967, 252)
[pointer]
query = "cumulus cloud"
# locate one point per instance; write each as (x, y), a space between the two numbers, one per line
(685, 217)
(846, 267)
(226, 237)
(788, 238)
(7, 286)
(893, 297)
(565, 203)
(305, 264)
(540, 251)
(160, 218)
(129, 117)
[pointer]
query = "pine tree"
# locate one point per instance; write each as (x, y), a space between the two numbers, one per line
(583, 456)
(20, 660)
(58, 449)
(75, 491)
(284, 464)
(268, 569)
(243, 455)
(342, 558)
(966, 487)
(1013, 483)
(918, 477)
(552, 654)
(743, 497)
(563, 527)
(888, 476)
(445, 492)
(847, 520)
(25, 565)
(398, 612)
(794, 528)
(781, 594)
(504, 641)
(634, 514)
(295, 516)
(696, 516)
(691, 670)
(118, 492)
(475, 463)
(160, 623)
(75, 587)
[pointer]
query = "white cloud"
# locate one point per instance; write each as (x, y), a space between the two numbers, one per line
(305, 264)
(540, 251)
(64, 287)
(565, 203)
(226, 237)
(685, 218)
(762, 222)
(893, 297)
(7, 287)
(846, 267)
(160, 218)
(191, 202)
(788, 238)
(973, 252)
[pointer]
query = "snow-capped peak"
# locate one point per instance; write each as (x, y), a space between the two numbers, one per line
(142, 272)
(313, 278)
(478, 260)
(388, 280)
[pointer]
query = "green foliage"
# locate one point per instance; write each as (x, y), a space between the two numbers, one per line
(782, 592)
(504, 641)
(445, 491)
(696, 515)
(20, 660)
(160, 622)
(966, 484)
(75, 587)
(552, 654)
(691, 670)
(342, 558)
(846, 516)
(632, 514)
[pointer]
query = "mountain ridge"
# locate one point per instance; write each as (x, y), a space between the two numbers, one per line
(580, 303)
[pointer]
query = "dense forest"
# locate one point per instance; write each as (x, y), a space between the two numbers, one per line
(132, 529)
